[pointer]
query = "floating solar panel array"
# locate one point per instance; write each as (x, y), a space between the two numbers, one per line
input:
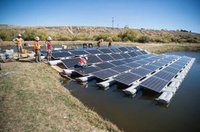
(131, 67)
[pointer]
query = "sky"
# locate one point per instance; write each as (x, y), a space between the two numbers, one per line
(148, 14)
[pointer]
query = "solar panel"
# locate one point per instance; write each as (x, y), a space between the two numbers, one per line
(93, 59)
(170, 58)
(118, 62)
(104, 74)
(185, 59)
(151, 67)
(143, 52)
(180, 63)
(128, 60)
(132, 54)
(171, 69)
(146, 60)
(116, 56)
(152, 58)
(133, 48)
(174, 65)
(129, 48)
(115, 50)
(141, 71)
(127, 78)
(105, 57)
(138, 52)
(137, 58)
(125, 55)
(69, 63)
(157, 63)
(94, 51)
(165, 75)
(105, 65)
(78, 52)
(164, 61)
(142, 62)
(57, 55)
(123, 49)
(105, 50)
(133, 65)
(86, 70)
(43, 52)
(121, 68)
(154, 83)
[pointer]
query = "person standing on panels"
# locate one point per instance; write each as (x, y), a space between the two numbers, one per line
(18, 41)
(99, 43)
(110, 42)
(37, 49)
(49, 48)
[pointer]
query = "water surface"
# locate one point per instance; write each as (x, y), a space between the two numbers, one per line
(140, 113)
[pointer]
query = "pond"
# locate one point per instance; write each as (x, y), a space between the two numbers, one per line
(140, 113)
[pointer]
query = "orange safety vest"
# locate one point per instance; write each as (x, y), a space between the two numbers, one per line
(36, 45)
(18, 41)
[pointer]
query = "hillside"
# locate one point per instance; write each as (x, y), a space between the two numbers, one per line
(72, 33)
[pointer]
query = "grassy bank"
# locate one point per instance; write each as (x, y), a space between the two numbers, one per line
(162, 48)
(32, 98)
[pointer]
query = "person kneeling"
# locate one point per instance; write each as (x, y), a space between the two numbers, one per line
(82, 62)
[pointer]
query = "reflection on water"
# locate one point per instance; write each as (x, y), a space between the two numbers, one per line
(139, 113)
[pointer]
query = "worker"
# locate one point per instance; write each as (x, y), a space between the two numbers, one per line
(18, 41)
(82, 62)
(99, 43)
(37, 49)
(49, 47)
(110, 41)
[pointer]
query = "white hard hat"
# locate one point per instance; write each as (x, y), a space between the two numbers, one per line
(19, 35)
(49, 38)
(37, 38)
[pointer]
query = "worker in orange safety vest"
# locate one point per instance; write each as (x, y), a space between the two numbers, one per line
(18, 41)
(37, 49)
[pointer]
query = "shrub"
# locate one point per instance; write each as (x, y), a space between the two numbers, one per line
(166, 39)
(30, 34)
(103, 36)
(82, 37)
(7, 35)
(63, 37)
(128, 35)
(143, 39)
(116, 38)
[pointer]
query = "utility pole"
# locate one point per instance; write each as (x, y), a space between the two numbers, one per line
(113, 22)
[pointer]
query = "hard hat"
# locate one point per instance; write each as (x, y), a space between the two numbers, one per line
(49, 38)
(19, 35)
(37, 38)
(86, 57)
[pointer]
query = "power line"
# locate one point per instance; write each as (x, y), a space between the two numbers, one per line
(113, 22)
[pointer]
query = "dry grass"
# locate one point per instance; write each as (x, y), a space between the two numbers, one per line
(161, 48)
(32, 98)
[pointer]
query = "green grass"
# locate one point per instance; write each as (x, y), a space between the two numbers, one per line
(32, 98)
